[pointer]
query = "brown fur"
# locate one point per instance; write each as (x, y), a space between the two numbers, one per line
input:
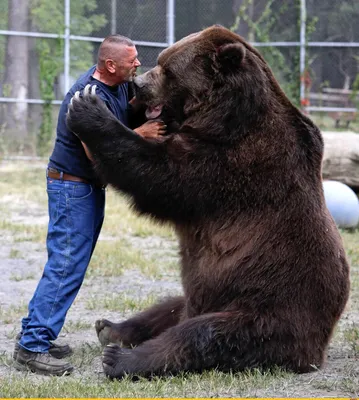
(264, 273)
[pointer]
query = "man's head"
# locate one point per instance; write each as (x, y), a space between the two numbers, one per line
(117, 59)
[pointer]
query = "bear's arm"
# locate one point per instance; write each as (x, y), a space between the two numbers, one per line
(136, 117)
(150, 171)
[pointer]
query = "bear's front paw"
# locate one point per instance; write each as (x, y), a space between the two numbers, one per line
(108, 332)
(117, 362)
(85, 113)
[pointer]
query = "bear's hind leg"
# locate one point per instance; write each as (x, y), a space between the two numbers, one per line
(143, 326)
(224, 340)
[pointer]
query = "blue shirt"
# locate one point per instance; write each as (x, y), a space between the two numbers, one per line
(69, 155)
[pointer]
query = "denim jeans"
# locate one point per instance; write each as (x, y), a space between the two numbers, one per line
(76, 214)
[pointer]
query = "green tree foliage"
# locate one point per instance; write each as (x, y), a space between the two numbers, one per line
(48, 16)
(195, 15)
(336, 21)
(255, 20)
(277, 20)
(261, 20)
(140, 20)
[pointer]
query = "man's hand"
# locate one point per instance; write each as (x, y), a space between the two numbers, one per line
(151, 129)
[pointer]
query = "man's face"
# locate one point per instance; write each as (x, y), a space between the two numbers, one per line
(124, 66)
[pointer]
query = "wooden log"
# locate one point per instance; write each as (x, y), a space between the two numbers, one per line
(341, 158)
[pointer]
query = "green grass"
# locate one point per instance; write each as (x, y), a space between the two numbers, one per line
(351, 240)
(208, 384)
(23, 232)
(351, 336)
(123, 302)
(326, 123)
(75, 326)
(19, 278)
(15, 253)
(123, 219)
(12, 313)
(112, 258)
(27, 182)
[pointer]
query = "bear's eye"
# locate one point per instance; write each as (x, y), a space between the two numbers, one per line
(169, 74)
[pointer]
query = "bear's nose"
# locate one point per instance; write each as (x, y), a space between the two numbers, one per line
(139, 81)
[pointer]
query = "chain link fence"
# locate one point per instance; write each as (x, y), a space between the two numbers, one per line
(312, 47)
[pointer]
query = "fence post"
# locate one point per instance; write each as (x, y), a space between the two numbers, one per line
(303, 21)
(113, 16)
(170, 17)
(67, 48)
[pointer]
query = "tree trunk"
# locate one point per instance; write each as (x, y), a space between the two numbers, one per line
(34, 110)
(16, 70)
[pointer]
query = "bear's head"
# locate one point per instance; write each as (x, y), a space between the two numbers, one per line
(214, 71)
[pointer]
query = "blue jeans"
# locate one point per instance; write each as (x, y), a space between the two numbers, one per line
(76, 214)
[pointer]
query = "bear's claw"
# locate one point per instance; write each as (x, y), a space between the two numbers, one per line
(90, 90)
(116, 361)
(103, 330)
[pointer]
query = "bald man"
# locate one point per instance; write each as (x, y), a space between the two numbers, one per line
(76, 203)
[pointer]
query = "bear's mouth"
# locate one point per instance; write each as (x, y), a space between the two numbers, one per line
(153, 112)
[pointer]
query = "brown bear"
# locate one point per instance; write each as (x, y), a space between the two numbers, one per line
(264, 273)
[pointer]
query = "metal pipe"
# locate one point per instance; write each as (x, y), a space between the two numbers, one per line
(303, 18)
(28, 101)
(58, 102)
(170, 17)
(163, 44)
(331, 109)
(113, 16)
(67, 48)
(333, 44)
(275, 44)
(31, 34)
(136, 42)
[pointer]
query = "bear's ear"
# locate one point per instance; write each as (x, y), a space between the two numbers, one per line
(231, 55)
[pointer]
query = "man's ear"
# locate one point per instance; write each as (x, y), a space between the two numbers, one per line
(110, 66)
(230, 56)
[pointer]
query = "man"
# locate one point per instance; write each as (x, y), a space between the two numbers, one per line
(76, 202)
